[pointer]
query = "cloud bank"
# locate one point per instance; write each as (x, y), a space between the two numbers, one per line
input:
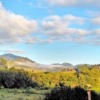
(68, 28)
(71, 28)
(13, 51)
(75, 3)
(13, 27)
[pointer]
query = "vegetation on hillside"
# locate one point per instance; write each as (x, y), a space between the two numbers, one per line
(84, 76)
(64, 83)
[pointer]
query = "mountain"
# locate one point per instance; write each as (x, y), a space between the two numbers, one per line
(64, 65)
(81, 65)
(9, 56)
(18, 61)
(26, 63)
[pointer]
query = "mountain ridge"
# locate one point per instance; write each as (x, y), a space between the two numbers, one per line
(14, 60)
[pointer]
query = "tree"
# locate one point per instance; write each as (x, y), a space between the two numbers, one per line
(3, 62)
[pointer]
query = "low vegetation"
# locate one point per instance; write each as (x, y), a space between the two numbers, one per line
(22, 94)
(67, 93)
(15, 79)
(37, 84)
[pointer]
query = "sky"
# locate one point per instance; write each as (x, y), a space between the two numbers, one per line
(51, 31)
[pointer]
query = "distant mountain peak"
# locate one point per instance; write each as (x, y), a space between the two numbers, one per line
(9, 56)
(63, 64)
(24, 62)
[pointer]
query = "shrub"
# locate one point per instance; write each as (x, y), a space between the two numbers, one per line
(94, 96)
(9, 79)
(67, 93)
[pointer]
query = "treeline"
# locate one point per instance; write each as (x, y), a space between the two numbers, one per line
(15, 79)
(84, 76)
(18, 78)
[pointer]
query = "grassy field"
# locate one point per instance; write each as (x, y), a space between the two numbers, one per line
(26, 94)
(22, 94)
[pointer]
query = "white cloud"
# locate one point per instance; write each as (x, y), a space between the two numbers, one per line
(74, 19)
(96, 20)
(57, 28)
(13, 51)
(14, 27)
(76, 3)
(60, 25)
(96, 32)
(62, 2)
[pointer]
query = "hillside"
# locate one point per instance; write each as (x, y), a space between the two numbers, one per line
(26, 63)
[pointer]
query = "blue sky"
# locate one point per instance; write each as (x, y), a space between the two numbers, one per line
(51, 31)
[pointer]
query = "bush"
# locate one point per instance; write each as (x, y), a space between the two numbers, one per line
(94, 96)
(10, 79)
(67, 93)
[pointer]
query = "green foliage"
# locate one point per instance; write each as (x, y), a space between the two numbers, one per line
(67, 93)
(3, 63)
(25, 94)
(17, 79)
(84, 76)
(53, 79)
(87, 77)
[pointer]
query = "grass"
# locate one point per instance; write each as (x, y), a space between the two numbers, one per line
(22, 94)
(27, 94)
